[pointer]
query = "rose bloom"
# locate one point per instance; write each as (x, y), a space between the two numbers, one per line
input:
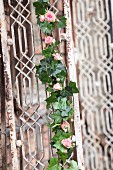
(65, 126)
(48, 39)
(57, 56)
(42, 18)
(57, 86)
(50, 16)
(66, 142)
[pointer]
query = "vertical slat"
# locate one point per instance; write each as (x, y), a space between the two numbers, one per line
(73, 77)
(8, 87)
(3, 116)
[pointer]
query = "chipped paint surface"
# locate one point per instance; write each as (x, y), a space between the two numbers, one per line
(73, 77)
(8, 87)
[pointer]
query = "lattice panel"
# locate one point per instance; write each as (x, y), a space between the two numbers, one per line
(94, 47)
(29, 93)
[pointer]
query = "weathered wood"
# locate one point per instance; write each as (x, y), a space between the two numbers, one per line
(2, 114)
(8, 86)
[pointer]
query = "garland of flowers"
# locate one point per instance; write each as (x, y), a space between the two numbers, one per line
(52, 72)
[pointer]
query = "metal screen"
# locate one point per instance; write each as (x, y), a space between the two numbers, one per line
(94, 50)
(26, 112)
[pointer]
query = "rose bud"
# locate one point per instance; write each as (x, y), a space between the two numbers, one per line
(65, 126)
(57, 56)
(66, 143)
(42, 18)
(48, 39)
(57, 86)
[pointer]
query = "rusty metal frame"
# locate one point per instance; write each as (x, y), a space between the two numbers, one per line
(26, 115)
(73, 77)
(8, 87)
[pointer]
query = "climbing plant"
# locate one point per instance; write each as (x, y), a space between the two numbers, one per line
(52, 72)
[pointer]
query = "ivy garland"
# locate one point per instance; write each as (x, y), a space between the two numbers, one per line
(52, 72)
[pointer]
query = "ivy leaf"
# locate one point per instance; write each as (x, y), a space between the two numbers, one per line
(44, 77)
(54, 127)
(39, 8)
(46, 27)
(61, 104)
(62, 22)
(62, 156)
(73, 166)
(57, 117)
(60, 134)
(54, 164)
(69, 90)
(47, 52)
(51, 99)
(49, 89)
(73, 87)
(37, 4)
(43, 74)
(58, 137)
(59, 69)
(58, 145)
(45, 0)
(66, 111)
(70, 113)
(56, 43)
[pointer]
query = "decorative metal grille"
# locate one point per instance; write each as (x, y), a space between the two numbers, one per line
(93, 31)
(29, 93)
(27, 106)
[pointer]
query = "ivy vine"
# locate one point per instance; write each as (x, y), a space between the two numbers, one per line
(52, 72)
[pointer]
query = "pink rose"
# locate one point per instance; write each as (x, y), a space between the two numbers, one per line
(48, 39)
(42, 18)
(57, 86)
(50, 16)
(65, 126)
(66, 142)
(57, 56)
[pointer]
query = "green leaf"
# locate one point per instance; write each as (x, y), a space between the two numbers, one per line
(70, 113)
(69, 90)
(45, 0)
(43, 74)
(59, 69)
(64, 107)
(62, 22)
(54, 127)
(46, 27)
(44, 70)
(63, 156)
(73, 166)
(56, 43)
(61, 104)
(49, 89)
(59, 146)
(57, 117)
(66, 111)
(39, 8)
(72, 85)
(37, 3)
(47, 52)
(51, 99)
(60, 134)
(54, 164)
(58, 137)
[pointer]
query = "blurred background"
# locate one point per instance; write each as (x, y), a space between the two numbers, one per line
(93, 60)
